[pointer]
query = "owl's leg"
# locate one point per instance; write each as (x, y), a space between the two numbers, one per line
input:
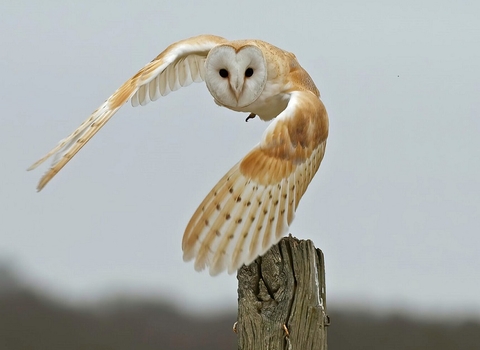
(250, 116)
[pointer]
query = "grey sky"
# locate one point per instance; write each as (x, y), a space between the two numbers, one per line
(395, 206)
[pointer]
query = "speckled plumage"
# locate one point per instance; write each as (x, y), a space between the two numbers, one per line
(252, 206)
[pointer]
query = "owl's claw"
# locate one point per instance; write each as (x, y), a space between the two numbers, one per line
(250, 116)
(234, 328)
(287, 333)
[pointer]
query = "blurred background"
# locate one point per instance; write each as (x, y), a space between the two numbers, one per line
(95, 258)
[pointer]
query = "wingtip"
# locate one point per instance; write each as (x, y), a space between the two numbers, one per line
(232, 269)
(43, 182)
(215, 273)
(187, 255)
(33, 166)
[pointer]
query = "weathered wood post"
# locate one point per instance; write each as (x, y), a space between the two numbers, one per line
(282, 299)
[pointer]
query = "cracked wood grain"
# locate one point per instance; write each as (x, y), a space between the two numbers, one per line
(281, 299)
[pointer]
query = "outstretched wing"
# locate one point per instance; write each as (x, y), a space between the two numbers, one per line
(179, 65)
(252, 206)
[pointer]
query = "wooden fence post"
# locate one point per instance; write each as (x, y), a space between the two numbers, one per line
(282, 299)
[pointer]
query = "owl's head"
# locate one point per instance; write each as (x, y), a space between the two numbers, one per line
(235, 76)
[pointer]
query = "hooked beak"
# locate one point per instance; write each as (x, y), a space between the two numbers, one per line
(237, 87)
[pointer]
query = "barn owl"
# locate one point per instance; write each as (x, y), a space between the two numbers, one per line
(252, 206)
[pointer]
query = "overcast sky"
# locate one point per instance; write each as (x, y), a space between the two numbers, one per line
(395, 206)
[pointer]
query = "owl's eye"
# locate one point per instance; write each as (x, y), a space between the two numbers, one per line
(223, 73)
(249, 72)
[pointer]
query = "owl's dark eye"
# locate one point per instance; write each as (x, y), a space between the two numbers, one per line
(223, 73)
(249, 72)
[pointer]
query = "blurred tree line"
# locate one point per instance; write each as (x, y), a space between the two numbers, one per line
(30, 320)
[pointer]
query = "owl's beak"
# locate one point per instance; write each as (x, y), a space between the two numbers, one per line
(237, 87)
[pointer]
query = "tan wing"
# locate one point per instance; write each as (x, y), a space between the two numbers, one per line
(252, 206)
(179, 65)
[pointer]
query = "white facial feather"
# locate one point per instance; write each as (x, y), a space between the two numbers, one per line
(235, 78)
(252, 206)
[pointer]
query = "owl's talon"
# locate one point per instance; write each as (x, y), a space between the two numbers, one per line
(250, 116)
(287, 333)
(234, 328)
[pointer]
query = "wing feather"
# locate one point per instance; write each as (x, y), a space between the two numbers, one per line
(153, 92)
(252, 206)
(240, 253)
(163, 84)
(178, 65)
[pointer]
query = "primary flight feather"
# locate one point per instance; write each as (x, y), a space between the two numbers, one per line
(252, 206)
